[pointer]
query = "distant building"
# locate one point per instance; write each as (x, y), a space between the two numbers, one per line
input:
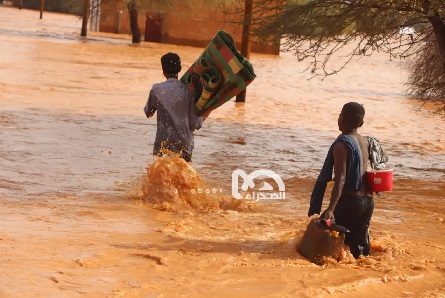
(190, 26)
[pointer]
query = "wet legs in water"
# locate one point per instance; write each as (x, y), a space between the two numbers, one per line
(354, 213)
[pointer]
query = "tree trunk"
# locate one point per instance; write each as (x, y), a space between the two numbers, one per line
(439, 32)
(135, 31)
(86, 15)
(438, 28)
(42, 5)
(245, 41)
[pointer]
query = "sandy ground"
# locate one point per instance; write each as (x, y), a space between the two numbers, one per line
(73, 146)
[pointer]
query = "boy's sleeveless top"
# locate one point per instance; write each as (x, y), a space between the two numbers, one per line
(353, 172)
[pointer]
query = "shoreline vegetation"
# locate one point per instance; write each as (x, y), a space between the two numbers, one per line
(323, 29)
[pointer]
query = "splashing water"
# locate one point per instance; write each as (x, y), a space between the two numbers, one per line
(172, 183)
(170, 179)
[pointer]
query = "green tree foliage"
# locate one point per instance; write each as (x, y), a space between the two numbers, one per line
(65, 6)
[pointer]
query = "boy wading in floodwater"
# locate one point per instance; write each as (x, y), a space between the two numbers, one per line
(350, 205)
(177, 118)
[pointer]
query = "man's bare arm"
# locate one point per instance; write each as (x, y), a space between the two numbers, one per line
(340, 166)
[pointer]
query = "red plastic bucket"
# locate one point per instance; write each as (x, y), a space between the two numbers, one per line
(380, 180)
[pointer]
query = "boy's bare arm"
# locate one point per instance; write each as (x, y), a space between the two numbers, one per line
(340, 166)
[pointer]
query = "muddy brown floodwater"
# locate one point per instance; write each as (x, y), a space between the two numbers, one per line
(75, 145)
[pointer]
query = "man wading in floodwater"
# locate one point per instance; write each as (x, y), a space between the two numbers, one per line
(350, 205)
(177, 118)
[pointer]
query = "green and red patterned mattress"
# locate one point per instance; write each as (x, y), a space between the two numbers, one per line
(219, 74)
